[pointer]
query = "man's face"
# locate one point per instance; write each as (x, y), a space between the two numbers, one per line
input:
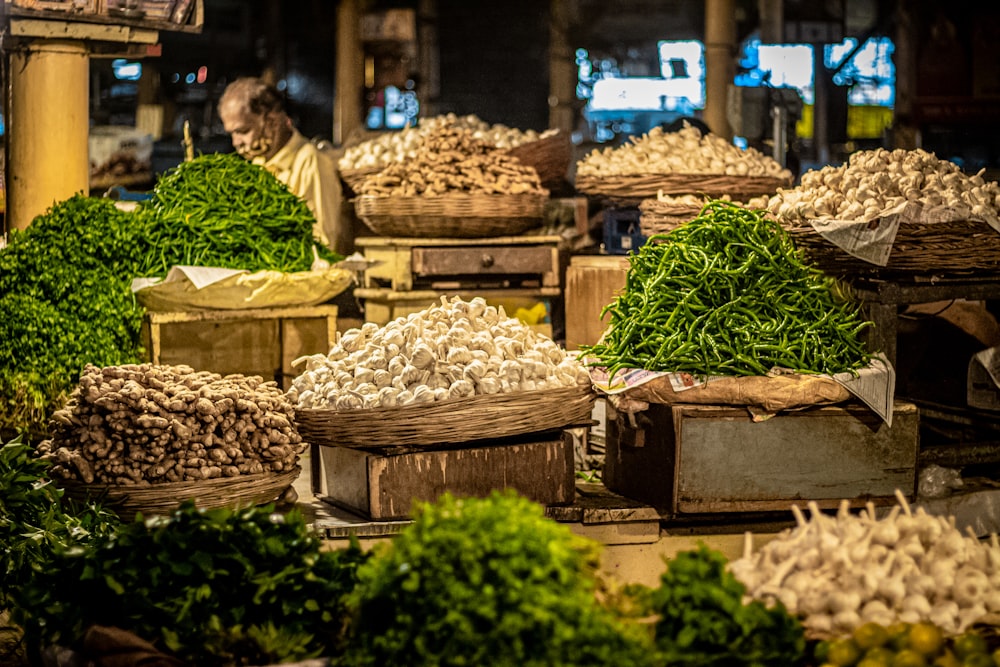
(252, 135)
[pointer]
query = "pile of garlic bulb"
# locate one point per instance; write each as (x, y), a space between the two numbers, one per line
(873, 182)
(838, 572)
(686, 151)
(450, 350)
(400, 146)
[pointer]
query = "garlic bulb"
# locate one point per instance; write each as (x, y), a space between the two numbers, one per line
(393, 147)
(453, 349)
(838, 572)
(873, 182)
(683, 152)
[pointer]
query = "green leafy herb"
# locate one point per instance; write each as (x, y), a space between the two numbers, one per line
(36, 523)
(703, 620)
(64, 302)
(213, 587)
(486, 582)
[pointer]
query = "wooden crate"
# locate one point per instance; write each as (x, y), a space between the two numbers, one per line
(172, 15)
(257, 341)
(406, 264)
(695, 459)
(592, 282)
(385, 485)
(63, 7)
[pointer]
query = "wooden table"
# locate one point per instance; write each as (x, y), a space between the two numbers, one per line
(881, 299)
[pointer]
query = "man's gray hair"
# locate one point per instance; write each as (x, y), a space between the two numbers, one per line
(253, 94)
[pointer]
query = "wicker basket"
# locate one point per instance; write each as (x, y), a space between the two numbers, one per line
(458, 215)
(483, 417)
(919, 247)
(641, 186)
(659, 217)
(232, 492)
(550, 156)
(353, 178)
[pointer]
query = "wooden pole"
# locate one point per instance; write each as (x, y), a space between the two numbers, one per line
(562, 68)
(349, 81)
(47, 127)
(720, 63)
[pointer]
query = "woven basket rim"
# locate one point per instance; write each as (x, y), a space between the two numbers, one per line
(528, 205)
(454, 197)
(480, 417)
(420, 408)
(453, 215)
(649, 185)
(212, 493)
(176, 486)
(919, 248)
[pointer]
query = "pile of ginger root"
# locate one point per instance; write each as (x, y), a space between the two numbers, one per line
(143, 424)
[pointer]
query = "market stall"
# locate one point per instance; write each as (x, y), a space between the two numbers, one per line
(404, 492)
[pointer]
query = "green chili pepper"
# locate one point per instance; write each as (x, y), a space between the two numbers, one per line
(731, 295)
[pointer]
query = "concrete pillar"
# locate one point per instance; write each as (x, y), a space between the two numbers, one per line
(349, 81)
(48, 124)
(720, 62)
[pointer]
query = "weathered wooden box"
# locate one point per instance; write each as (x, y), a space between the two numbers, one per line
(257, 341)
(385, 484)
(592, 282)
(695, 459)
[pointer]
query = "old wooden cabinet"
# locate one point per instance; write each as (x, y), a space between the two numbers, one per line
(411, 274)
(405, 264)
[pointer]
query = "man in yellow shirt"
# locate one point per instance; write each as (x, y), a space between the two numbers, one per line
(253, 113)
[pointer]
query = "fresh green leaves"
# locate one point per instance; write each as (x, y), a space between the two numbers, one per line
(214, 587)
(64, 302)
(486, 582)
(703, 620)
(65, 295)
(34, 524)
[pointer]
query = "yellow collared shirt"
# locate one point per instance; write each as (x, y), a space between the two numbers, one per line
(311, 173)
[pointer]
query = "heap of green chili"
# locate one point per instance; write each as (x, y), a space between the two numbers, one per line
(221, 210)
(728, 294)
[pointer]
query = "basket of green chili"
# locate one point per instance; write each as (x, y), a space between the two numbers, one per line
(728, 294)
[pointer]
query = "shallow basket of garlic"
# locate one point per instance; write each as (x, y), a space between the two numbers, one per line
(944, 219)
(678, 163)
(839, 571)
(458, 371)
